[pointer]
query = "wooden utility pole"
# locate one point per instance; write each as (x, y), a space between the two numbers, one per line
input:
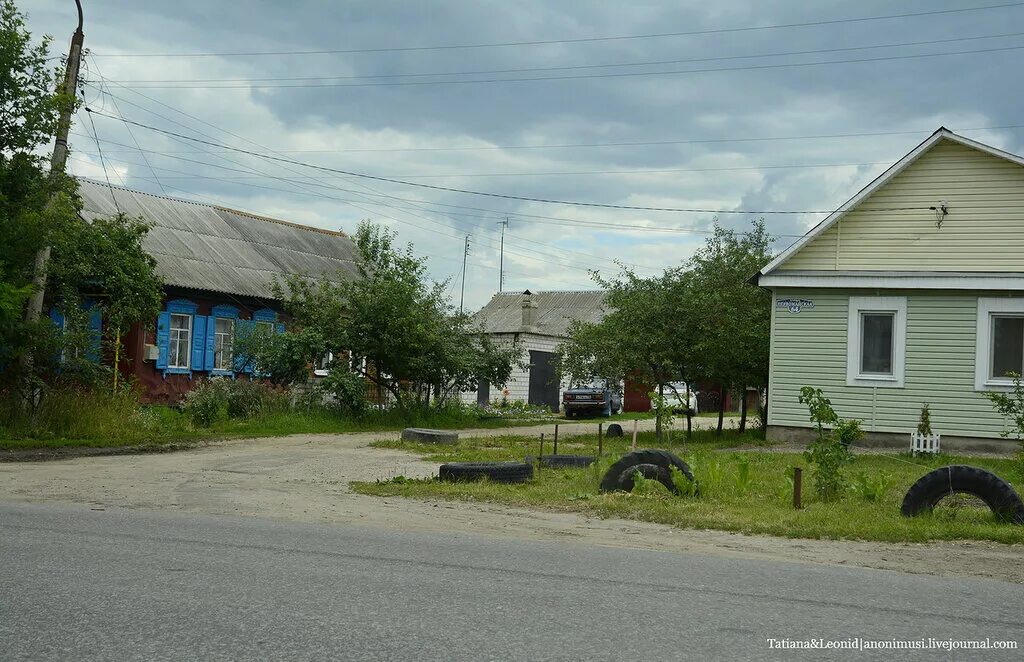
(57, 163)
(465, 257)
(501, 257)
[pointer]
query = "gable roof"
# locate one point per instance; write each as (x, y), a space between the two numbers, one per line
(555, 311)
(209, 247)
(941, 134)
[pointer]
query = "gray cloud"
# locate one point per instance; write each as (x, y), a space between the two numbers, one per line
(915, 95)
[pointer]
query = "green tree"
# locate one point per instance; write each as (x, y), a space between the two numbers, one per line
(732, 315)
(395, 326)
(102, 260)
(644, 334)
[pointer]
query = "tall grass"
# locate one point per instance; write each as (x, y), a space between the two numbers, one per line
(74, 412)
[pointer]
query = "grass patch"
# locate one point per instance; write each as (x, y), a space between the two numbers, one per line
(92, 424)
(744, 489)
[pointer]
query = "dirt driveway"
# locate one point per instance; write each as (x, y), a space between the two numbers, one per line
(305, 478)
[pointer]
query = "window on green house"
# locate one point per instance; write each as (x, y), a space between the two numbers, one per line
(877, 343)
(1007, 346)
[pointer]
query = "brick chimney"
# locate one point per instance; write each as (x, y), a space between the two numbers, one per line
(529, 313)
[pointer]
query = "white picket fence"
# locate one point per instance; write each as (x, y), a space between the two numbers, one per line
(924, 443)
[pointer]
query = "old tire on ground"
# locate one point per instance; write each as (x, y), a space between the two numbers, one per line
(499, 472)
(931, 488)
(426, 436)
(614, 430)
(616, 477)
(577, 461)
(625, 483)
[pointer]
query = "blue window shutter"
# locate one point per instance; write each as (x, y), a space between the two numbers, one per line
(95, 333)
(198, 342)
(210, 344)
(279, 327)
(265, 315)
(163, 338)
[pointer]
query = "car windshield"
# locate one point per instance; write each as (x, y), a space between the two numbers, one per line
(591, 383)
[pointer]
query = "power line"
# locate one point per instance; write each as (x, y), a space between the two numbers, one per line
(551, 220)
(647, 143)
(491, 214)
(475, 72)
(558, 259)
(576, 40)
(461, 175)
(450, 189)
(624, 74)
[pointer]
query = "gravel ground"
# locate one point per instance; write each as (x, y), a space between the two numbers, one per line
(304, 478)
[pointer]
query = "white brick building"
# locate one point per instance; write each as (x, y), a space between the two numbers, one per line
(539, 321)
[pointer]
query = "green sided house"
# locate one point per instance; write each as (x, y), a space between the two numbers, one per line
(911, 293)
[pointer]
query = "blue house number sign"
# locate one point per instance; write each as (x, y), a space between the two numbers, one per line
(794, 305)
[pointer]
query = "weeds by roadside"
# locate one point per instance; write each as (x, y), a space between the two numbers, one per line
(742, 489)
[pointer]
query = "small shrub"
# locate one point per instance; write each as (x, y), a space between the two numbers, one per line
(347, 391)
(207, 403)
(830, 452)
(925, 425)
(244, 398)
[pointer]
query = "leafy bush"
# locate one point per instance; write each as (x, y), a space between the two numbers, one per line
(1011, 405)
(207, 403)
(346, 390)
(216, 400)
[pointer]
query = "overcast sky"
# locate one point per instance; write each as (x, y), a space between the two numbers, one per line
(366, 112)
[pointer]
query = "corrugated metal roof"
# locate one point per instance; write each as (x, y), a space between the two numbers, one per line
(555, 310)
(208, 247)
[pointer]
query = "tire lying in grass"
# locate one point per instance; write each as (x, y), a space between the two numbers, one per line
(650, 463)
(931, 488)
(558, 461)
(499, 472)
(423, 435)
(614, 430)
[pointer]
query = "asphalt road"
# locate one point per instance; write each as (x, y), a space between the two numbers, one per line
(127, 584)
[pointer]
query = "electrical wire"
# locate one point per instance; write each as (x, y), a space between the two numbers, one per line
(623, 74)
(577, 40)
(451, 189)
(647, 63)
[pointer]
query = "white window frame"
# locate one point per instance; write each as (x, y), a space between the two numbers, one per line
(228, 363)
(854, 341)
(988, 307)
(322, 372)
(188, 343)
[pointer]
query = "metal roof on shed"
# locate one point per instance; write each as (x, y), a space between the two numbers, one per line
(555, 311)
(208, 247)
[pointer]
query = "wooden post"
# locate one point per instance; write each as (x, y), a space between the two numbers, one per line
(556, 439)
(600, 438)
(797, 480)
(117, 357)
(636, 423)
